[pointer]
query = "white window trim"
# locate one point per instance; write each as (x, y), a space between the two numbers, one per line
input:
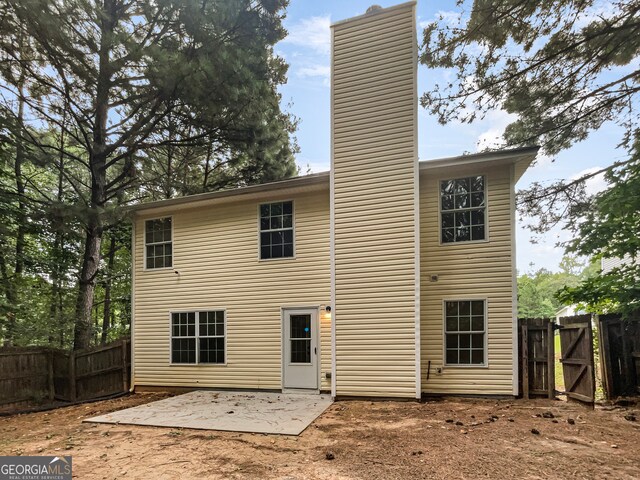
(293, 229)
(197, 312)
(486, 210)
(483, 365)
(144, 245)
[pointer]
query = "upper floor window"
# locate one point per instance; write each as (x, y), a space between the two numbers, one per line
(158, 243)
(276, 230)
(463, 209)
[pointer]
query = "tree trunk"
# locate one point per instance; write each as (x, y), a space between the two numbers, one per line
(9, 294)
(98, 162)
(56, 305)
(20, 190)
(106, 308)
(12, 284)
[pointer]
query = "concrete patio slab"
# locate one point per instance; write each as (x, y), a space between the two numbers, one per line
(252, 412)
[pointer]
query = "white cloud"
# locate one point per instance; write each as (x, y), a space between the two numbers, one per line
(311, 40)
(594, 184)
(544, 161)
(448, 17)
(497, 122)
(315, 71)
(313, 33)
(322, 71)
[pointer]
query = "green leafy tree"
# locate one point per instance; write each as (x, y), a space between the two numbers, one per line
(612, 230)
(537, 291)
(106, 76)
(544, 61)
(564, 68)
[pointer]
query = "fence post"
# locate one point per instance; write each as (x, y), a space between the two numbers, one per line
(551, 361)
(52, 390)
(125, 376)
(72, 376)
(605, 356)
(525, 361)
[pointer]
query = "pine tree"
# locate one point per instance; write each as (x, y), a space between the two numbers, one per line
(107, 74)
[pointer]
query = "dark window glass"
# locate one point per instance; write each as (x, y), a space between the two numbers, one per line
(276, 230)
(452, 324)
(462, 234)
(452, 357)
(300, 351)
(477, 357)
(477, 233)
(477, 340)
(300, 335)
(203, 331)
(300, 326)
(159, 251)
(183, 350)
(462, 209)
(465, 356)
(212, 350)
(464, 332)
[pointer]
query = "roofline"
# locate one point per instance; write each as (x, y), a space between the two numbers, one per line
(507, 156)
(374, 13)
(502, 156)
(305, 180)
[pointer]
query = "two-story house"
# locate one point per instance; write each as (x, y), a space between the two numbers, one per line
(383, 277)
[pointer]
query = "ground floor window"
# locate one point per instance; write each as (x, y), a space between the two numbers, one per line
(198, 337)
(465, 330)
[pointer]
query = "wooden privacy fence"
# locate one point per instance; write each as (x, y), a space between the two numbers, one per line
(37, 374)
(620, 354)
(537, 357)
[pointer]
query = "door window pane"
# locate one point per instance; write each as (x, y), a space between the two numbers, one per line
(300, 338)
(301, 351)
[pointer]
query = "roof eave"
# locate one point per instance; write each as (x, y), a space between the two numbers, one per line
(514, 155)
(316, 179)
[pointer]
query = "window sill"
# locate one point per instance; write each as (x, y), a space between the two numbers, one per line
(480, 366)
(283, 259)
(197, 364)
(157, 269)
(467, 242)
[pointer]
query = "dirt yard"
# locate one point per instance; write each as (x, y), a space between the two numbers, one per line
(452, 438)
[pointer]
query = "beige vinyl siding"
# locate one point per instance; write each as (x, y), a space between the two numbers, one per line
(216, 254)
(468, 270)
(374, 166)
(608, 264)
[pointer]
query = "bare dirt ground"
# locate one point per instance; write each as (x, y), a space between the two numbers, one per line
(368, 440)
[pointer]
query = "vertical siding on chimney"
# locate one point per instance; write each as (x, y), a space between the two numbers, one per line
(374, 163)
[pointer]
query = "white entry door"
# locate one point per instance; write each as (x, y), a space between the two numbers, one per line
(300, 348)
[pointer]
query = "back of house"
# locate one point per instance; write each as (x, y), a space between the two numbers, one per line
(385, 277)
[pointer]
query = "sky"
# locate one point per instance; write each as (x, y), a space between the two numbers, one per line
(306, 95)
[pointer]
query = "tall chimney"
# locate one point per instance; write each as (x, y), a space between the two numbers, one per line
(374, 204)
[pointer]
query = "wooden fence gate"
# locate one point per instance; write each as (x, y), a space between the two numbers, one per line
(620, 354)
(576, 342)
(537, 357)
